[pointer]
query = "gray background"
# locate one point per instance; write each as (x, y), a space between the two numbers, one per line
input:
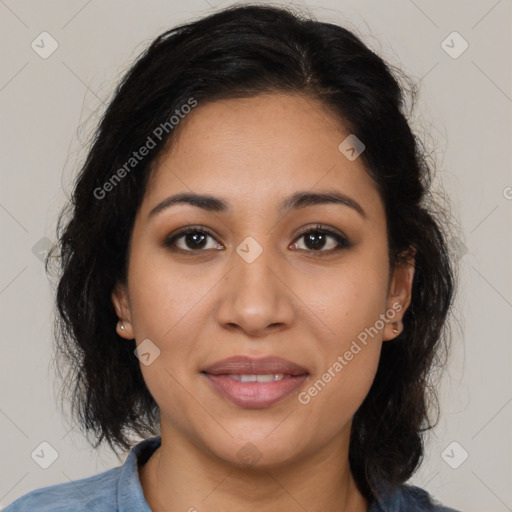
(49, 106)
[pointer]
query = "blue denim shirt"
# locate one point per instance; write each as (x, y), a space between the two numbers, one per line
(119, 490)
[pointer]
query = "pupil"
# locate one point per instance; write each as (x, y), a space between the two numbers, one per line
(316, 238)
(198, 239)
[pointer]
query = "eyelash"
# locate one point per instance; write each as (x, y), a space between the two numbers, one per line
(343, 242)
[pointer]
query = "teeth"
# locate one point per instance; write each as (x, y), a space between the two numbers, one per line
(270, 377)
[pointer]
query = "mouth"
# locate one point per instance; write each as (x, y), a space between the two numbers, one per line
(255, 383)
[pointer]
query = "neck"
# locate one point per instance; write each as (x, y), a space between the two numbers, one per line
(180, 476)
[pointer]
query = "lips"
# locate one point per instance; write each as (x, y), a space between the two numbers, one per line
(255, 383)
(244, 365)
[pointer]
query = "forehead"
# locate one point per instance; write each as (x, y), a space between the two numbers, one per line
(258, 149)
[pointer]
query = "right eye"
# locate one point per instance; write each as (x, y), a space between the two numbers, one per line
(191, 239)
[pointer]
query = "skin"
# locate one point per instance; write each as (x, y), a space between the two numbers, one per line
(292, 301)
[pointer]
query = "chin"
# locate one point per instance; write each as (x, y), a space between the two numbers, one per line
(261, 450)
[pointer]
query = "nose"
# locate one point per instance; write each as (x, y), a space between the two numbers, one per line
(255, 297)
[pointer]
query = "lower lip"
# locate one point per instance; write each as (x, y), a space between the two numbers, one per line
(255, 395)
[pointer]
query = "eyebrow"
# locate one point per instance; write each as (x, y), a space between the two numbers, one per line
(294, 202)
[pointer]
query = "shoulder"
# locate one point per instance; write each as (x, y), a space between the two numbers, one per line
(416, 496)
(117, 489)
(407, 498)
(97, 492)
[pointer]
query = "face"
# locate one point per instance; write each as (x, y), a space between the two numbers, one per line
(306, 281)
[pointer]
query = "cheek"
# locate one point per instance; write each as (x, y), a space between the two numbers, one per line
(348, 346)
(168, 307)
(349, 303)
(163, 295)
(345, 301)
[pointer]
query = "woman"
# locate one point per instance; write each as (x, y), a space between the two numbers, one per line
(252, 278)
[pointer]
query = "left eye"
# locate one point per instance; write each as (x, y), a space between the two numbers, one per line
(315, 240)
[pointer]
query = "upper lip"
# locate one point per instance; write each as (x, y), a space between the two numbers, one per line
(245, 365)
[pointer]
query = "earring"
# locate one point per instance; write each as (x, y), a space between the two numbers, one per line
(122, 326)
(396, 330)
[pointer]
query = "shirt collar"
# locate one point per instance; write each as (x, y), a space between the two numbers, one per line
(387, 499)
(130, 497)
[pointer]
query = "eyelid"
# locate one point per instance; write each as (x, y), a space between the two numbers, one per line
(341, 238)
(171, 239)
(320, 227)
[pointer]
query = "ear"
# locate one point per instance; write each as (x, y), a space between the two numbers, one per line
(122, 306)
(400, 292)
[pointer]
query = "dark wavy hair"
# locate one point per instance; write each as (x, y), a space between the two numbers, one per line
(243, 51)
